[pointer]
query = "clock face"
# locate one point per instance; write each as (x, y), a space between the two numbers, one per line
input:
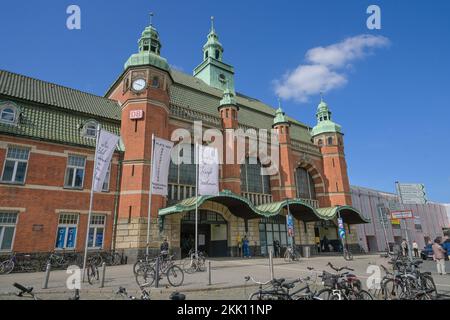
(139, 84)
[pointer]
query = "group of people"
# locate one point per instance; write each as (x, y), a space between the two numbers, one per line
(439, 253)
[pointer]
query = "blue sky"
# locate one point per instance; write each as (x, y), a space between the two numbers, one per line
(393, 104)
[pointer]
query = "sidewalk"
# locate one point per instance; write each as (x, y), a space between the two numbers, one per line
(225, 274)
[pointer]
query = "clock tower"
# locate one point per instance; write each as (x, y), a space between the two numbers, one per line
(213, 70)
(142, 90)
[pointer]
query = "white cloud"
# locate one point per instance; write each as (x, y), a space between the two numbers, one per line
(322, 71)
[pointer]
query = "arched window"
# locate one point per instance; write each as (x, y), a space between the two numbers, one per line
(251, 178)
(330, 141)
(90, 129)
(320, 142)
(155, 82)
(8, 115)
(305, 184)
(217, 54)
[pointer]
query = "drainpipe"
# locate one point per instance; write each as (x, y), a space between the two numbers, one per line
(116, 201)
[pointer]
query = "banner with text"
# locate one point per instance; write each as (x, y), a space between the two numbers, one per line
(106, 145)
(208, 172)
(160, 166)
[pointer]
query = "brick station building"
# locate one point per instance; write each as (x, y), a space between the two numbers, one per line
(47, 138)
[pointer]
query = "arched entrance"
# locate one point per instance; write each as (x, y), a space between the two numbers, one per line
(212, 233)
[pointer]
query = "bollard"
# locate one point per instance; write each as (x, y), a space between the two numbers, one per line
(157, 273)
(209, 273)
(102, 285)
(47, 276)
(271, 264)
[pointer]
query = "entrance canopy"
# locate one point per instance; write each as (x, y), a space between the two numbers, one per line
(243, 208)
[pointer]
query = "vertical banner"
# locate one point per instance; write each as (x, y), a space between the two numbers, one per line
(105, 148)
(290, 225)
(160, 166)
(208, 174)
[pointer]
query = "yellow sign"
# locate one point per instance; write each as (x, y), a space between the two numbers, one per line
(395, 221)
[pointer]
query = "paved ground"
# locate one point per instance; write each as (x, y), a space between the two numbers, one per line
(227, 279)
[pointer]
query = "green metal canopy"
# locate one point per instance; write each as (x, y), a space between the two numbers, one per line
(243, 208)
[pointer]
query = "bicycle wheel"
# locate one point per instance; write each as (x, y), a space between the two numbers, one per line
(175, 276)
(92, 274)
(287, 256)
(145, 276)
(7, 267)
(392, 289)
(324, 294)
(348, 256)
(363, 295)
(430, 286)
(189, 265)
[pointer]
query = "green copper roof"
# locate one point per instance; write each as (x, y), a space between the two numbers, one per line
(147, 58)
(42, 92)
(280, 117)
(190, 92)
(149, 51)
(228, 98)
(324, 121)
(54, 113)
(243, 208)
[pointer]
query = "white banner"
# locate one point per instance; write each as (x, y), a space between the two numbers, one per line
(105, 148)
(208, 171)
(160, 166)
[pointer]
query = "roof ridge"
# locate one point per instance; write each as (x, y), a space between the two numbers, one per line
(55, 84)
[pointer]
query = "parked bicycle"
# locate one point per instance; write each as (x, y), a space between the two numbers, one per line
(145, 295)
(194, 262)
(270, 290)
(342, 286)
(147, 271)
(28, 292)
(291, 255)
(93, 275)
(21, 262)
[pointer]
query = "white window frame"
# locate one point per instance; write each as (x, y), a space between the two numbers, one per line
(8, 225)
(76, 168)
(88, 126)
(16, 164)
(15, 110)
(67, 226)
(96, 226)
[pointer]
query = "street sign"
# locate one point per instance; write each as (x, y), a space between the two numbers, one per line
(412, 193)
(405, 214)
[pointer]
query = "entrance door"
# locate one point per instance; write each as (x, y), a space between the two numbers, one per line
(212, 234)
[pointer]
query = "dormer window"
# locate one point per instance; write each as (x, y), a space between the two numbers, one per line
(8, 114)
(90, 130)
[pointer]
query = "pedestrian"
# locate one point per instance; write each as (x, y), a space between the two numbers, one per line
(439, 256)
(404, 248)
(415, 249)
(164, 249)
(276, 248)
(245, 247)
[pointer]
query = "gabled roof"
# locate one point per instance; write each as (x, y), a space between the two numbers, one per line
(54, 113)
(42, 92)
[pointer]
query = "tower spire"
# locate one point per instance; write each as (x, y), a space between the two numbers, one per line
(151, 18)
(212, 24)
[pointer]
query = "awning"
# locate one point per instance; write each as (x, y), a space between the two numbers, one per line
(243, 208)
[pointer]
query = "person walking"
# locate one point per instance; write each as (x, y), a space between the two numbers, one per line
(439, 256)
(415, 249)
(404, 248)
(245, 247)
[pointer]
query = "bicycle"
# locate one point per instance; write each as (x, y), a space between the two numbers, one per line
(56, 260)
(145, 295)
(272, 292)
(146, 274)
(342, 286)
(28, 291)
(22, 262)
(291, 255)
(92, 272)
(194, 263)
